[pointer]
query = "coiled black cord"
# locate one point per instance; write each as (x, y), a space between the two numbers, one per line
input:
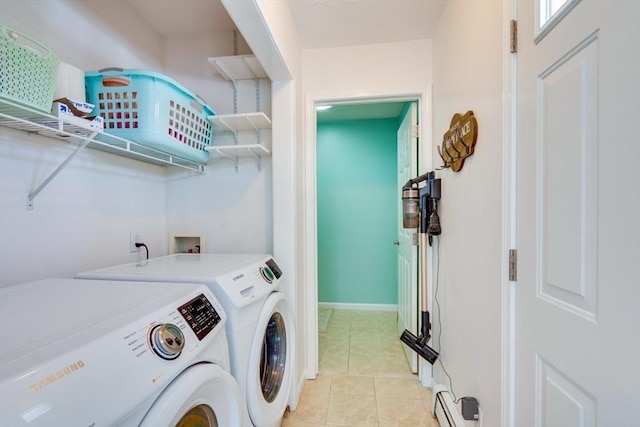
(145, 246)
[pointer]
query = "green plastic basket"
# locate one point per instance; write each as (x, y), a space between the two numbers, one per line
(28, 70)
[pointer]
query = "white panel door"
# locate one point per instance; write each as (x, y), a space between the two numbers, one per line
(407, 251)
(578, 169)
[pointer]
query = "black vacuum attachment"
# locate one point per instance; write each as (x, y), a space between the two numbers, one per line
(419, 344)
(422, 204)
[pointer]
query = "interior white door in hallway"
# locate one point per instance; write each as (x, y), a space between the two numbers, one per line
(407, 250)
(577, 351)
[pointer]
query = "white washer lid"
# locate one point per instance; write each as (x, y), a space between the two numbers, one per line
(195, 268)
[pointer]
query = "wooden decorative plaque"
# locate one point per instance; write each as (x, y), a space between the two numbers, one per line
(459, 141)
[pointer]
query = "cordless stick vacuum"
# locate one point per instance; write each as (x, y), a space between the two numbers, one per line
(420, 207)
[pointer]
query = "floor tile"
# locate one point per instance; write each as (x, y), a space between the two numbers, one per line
(334, 363)
(335, 345)
(337, 331)
(364, 347)
(352, 410)
(320, 386)
(294, 423)
(359, 385)
(311, 409)
(403, 412)
(364, 378)
(397, 387)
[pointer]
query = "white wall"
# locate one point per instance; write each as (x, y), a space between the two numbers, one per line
(232, 209)
(83, 218)
(86, 33)
(362, 71)
(468, 76)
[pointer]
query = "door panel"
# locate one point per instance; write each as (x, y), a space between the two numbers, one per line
(578, 210)
(567, 100)
(563, 402)
(407, 251)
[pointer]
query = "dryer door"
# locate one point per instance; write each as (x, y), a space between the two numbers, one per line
(204, 395)
(271, 362)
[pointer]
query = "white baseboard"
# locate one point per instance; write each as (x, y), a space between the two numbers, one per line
(345, 306)
(444, 408)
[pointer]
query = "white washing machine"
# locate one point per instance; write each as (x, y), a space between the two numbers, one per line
(101, 353)
(260, 325)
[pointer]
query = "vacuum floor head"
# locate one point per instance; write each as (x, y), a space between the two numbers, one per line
(419, 345)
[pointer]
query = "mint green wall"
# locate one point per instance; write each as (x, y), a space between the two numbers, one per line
(357, 211)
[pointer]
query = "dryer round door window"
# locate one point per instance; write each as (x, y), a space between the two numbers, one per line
(199, 416)
(203, 395)
(273, 357)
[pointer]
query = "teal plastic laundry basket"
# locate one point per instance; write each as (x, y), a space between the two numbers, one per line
(151, 109)
(28, 70)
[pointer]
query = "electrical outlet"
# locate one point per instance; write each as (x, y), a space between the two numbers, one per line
(134, 237)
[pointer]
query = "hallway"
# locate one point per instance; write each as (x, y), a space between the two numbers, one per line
(364, 378)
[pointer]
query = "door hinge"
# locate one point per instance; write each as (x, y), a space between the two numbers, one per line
(513, 39)
(415, 131)
(513, 265)
(415, 239)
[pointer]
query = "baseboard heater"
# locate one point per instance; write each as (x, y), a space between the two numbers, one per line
(444, 409)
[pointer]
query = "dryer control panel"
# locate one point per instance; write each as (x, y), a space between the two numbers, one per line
(251, 283)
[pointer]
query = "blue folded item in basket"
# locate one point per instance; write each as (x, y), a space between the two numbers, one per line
(151, 109)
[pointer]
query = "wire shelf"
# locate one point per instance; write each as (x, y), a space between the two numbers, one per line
(28, 120)
(25, 119)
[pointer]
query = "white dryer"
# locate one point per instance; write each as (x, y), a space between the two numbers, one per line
(260, 325)
(101, 353)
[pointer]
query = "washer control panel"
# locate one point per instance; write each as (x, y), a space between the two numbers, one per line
(200, 315)
(167, 339)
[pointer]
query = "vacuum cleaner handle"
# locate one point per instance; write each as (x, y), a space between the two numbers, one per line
(423, 272)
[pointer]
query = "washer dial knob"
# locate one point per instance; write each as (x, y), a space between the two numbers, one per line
(267, 274)
(167, 340)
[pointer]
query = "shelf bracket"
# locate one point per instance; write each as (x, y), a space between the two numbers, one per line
(257, 94)
(257, 157)
(229, 128)
(228, 157)
(235, 96)
(46, 182)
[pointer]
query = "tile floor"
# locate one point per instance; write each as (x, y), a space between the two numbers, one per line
(364, 378)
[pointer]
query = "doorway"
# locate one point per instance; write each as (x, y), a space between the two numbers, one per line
(357, 226)
(356, 188)
(422, 97)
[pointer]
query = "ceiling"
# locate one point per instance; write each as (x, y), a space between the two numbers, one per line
(338, 23)
(372, 110)
(320, 23)
(192, 17)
